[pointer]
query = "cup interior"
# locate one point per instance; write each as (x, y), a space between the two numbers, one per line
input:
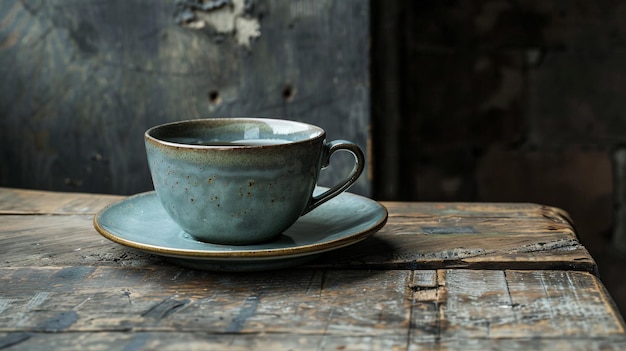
(234, 132)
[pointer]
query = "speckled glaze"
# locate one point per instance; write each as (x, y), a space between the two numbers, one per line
(240, 194)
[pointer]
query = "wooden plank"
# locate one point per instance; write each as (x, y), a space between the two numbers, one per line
(167, 306)
(430, 235)
(71, 240)
(23, 201)
(470, 309)
(385, 250)
(33, 241)
(438, 235)
(514, 304)
(417, 235)
(548, 344)
(198, 341)
(477, 209)
(174, 299)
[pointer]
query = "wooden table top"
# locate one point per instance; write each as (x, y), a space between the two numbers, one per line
(437, 276)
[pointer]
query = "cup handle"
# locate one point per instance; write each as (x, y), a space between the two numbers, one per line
(329, 149)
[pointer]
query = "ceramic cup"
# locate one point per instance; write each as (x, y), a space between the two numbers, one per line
(239, 181)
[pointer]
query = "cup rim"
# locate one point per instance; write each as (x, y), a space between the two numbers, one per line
(148, 133)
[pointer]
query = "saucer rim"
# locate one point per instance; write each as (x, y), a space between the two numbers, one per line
(237, 251)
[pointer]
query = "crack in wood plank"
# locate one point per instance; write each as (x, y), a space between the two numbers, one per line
(164, 309)
(247, 310)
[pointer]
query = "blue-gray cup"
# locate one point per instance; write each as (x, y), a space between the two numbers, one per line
(240, 181)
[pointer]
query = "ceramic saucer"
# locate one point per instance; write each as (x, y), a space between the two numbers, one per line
(140, 222)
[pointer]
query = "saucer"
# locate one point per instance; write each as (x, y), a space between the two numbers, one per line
(140, 222)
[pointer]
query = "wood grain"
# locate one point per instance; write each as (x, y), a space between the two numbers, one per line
(417, 235)
(24, 202)
(457, 276)
(394, 309)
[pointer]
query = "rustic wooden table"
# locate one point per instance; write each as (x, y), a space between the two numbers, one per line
(437, 276)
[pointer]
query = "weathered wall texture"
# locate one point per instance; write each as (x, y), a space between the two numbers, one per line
(81, 81)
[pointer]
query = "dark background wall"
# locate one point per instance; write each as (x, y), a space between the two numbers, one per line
(494, 100)
(504, 100)
(82, 80)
